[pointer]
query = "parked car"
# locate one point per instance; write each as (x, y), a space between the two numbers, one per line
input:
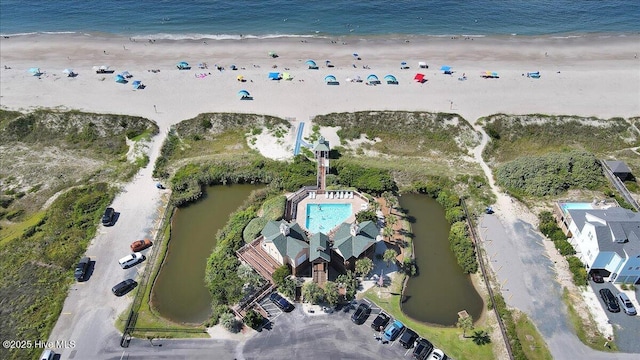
(423, 349)
(597, 278)
(123, 287)
(609, 300)
(108, 216)
(131, 260)
(437, 354)
(47, 355)
(361, 314)
(81, 269)
(626, 304)
(140, 245)
(393, 331)
(281, 302)
(408, 338)
(380, 322)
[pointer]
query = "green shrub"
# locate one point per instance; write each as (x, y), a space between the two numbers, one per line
(280, 274)
(463, 248)
(312, 293)
(577, 269)
(253, 319)
(366, 215)
(253, 229)
(288, 288)
(370, 180)
(273, 209)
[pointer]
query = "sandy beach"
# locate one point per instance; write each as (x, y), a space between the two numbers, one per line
(589, 76)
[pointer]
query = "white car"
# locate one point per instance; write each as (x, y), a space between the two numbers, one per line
(436, 354)
(626, 304)
(131, 260)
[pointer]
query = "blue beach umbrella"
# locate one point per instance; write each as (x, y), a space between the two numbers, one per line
(312, 64)
(182, 65)
(275, 76)
(372, 79)
(330, 79)
(137, 84)
(243, 93)
(390, 79)
(445, 68)
(120, 79)
(35, 71)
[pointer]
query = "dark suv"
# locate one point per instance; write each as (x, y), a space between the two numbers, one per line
(281, 302)
(107, 217)
(380, 322)
(408, 338)
(124, 287)
(361, 314)
(81, 270)
(423, 349)
(609, 300)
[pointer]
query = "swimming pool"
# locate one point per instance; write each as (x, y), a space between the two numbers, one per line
(324, 217)
(576, 206)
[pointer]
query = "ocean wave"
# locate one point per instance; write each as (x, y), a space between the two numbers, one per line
(195, 36)
(39, 32)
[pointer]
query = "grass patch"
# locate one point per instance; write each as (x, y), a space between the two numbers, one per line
(586, 329)
(14, 231)
(533, 344)
(450, 340)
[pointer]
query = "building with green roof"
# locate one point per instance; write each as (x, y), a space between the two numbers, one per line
(286, 242)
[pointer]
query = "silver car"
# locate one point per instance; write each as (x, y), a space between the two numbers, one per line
(626, 304)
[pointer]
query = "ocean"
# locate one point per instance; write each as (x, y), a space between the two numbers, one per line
(202, 19)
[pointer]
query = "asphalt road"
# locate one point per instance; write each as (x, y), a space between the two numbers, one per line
(627, 328)
(528, 282)
(90, 310)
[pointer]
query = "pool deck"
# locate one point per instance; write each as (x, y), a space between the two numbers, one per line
(357, 204)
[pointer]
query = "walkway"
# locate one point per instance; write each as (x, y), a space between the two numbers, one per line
(258, 259)
(619, 185)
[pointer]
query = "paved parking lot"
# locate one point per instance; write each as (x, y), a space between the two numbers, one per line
(626, 327)
(270, 308)
(321, 336)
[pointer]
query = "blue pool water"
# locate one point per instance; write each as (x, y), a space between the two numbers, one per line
(324, 217)
(576, 206)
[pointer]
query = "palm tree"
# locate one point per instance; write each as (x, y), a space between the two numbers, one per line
(388, 232)
(465, 323)
(389, 256)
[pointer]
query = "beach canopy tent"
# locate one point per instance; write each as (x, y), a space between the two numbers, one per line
(372, 79)
(446, 69)
(419, 78)
(490, 75)
(126, 74)
(534, 74)
(331, 80)
(403, 65)
(137, 84)
(101, 69)
(273, 54)
(390, 79)
(240, 78)
(275, 76)
(69, 72)
(35, 71)
(120, 79)
(312, 64)
(183, 65)
(423, 65)
(244, 95)
(287, 76)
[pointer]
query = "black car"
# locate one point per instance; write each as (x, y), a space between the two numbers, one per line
(597, 278)
(361, 314)
(281, 302)
(107, 217)
(380, 322)
(124, 287)
(81, 269)
(423, 349)
(408, 338)
(609, 300)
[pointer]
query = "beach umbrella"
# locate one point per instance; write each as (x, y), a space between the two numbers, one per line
(422, 64)
(67, 71)
(126, 74)
(240, 78)
(35, 71)
(390, 79)
(182, 65)
(494, 75)
(243, 93)
(274, 76)
(120, 79)
(419, 78)
(403, 65)
(330, 78)
(287, 76)
(445, 68)
(137, 84)
(312, 64)
(273, 54)
(372, 79)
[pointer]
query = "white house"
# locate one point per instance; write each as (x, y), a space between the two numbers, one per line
(607, 241)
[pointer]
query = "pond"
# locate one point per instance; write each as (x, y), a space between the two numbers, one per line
(441, 289)
(179, 293)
